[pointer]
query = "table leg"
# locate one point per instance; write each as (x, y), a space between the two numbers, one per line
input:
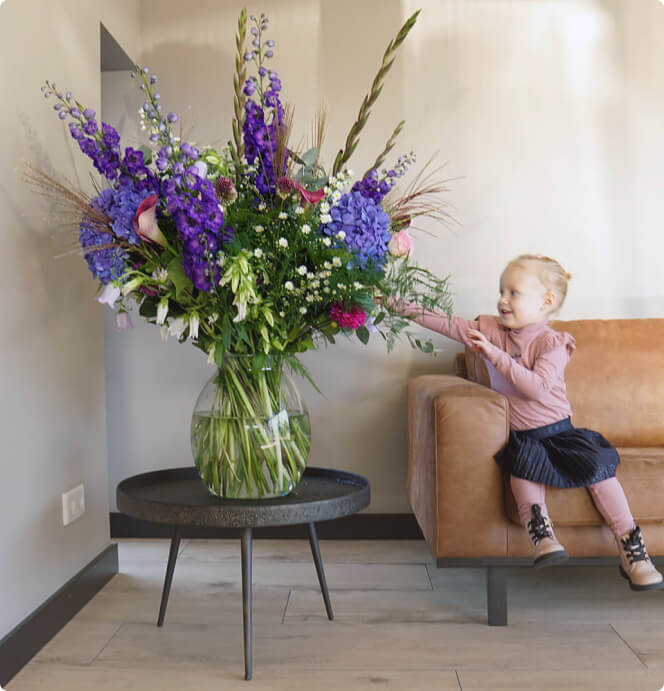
(246, 600)
(315, 551)
(172, 556)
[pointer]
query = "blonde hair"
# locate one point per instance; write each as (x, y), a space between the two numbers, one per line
(550, 273)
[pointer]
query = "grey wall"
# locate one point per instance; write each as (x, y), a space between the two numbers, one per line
(53, 413)
(549, 114)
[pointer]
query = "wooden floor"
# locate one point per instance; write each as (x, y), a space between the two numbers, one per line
(400, 623)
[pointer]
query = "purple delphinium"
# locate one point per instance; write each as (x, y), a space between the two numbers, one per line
(366, 227)
(260, 138)
(200, 224)
(373, 188)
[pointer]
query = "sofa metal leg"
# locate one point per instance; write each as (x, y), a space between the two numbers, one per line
(496, 595)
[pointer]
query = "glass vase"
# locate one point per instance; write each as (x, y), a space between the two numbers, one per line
(250, 432)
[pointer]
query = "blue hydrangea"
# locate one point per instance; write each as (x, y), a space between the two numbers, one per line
(366, 227)
(119, 205)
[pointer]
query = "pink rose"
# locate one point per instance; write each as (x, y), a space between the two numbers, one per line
(401, 244)
(145, 221)
(311, 197)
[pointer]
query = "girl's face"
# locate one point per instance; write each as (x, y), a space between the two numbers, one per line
(523, 299)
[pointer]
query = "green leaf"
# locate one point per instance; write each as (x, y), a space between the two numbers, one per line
(226, 333)
(148, 309)
(365, 301)
(363, 334)
(147, 154)
(379, 318)
(180, 279)
(218, 354)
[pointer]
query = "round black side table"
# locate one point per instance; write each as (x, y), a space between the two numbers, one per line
(179, 498)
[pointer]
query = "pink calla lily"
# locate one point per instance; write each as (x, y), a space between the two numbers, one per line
(307, 195)
(145, 221)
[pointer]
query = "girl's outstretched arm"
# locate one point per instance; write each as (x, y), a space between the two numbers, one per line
(452, 327)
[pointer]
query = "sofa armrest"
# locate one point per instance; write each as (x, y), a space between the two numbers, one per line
(455, 427)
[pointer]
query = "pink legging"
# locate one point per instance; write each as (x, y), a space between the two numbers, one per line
(608, 496)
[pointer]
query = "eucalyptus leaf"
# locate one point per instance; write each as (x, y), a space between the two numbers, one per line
(309, 157)
(363, 334)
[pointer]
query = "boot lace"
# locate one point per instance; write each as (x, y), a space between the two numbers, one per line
(539, 526)
(634, 547)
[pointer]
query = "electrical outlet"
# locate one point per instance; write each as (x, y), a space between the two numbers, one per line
(73, 504)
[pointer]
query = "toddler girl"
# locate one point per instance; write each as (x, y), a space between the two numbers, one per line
(526, 359)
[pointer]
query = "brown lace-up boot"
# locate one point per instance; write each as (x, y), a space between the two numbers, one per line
(548, 550)
(635, 564)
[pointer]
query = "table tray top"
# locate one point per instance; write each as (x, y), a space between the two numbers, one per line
(178, 496)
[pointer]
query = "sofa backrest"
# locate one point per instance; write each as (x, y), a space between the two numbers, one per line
(615, 379)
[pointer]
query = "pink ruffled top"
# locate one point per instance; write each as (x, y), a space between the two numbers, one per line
(528, 369)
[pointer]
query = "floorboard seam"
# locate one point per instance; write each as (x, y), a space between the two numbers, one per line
(638, 657)
(283, 616)
(458, 680)
(113, 635)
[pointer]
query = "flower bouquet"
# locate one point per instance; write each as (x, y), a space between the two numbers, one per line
(253, 253)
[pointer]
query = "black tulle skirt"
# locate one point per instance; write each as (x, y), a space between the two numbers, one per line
(559, 455)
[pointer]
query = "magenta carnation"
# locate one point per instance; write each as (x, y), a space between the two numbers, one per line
(348, 319)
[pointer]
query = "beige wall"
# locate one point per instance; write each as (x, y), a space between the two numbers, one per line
(52, 424)
(548, 112)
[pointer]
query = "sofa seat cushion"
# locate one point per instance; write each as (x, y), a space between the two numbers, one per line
(641, 473)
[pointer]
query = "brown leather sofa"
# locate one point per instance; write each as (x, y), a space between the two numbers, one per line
(463, 504)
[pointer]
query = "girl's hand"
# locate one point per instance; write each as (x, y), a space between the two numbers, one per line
(480, 342)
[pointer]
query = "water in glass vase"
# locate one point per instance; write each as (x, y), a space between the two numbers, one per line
(250, 457)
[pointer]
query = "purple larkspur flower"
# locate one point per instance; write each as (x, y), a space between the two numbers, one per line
(373, 188)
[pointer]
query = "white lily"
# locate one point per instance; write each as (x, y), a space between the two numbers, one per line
(176, 327)
(162, 310)
(194, 323)
(109, 295)
(241, 310)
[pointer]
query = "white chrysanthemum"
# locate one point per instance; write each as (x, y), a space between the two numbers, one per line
(309, 298)
(283, 215)
(336, 261)
(283, 242)
(326, 289)
(327, 242)
(303, 310)
(336, 196)
(258, 253)
(282, 314)
(315, 284)
(325, 218)
(341, 286)
(326, 189)
(324, 207)
(289, 285)
(349, 172)
(302, 270)
(262, 206)
(299, 210)
(306, 229)
(357, 285)
(341, 235)
(259, 229)
(327, 265)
